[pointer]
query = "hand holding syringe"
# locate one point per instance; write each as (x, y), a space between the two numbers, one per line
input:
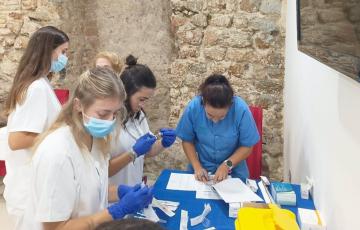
(167, 137)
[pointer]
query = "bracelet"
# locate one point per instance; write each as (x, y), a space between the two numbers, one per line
(132, 155)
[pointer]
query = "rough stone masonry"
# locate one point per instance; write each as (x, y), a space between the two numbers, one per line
(182, 41)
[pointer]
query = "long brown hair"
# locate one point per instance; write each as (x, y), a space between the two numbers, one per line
(35, 63)
(97, 83)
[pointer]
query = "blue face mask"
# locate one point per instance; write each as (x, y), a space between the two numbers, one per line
(97, 127)
(59, 64)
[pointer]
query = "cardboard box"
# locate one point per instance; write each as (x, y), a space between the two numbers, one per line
(310, 220)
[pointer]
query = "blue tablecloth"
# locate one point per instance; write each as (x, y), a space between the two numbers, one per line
(218, 217)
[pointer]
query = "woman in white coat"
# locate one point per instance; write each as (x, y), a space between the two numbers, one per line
(69, 188)
(31, 108)
(127, 161)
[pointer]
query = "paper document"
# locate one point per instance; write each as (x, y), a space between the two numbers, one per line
(200, 218)
(252, 185)
(266, 194)
(150, 214)
(183, 182)
(184, 219)
(168, 207)
(234, 190)
(212, 195)
(206, 191)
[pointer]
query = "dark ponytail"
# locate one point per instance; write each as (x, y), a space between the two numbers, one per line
(216, 91)
(134, 77)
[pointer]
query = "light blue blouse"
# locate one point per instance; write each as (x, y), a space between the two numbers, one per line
(216, 142)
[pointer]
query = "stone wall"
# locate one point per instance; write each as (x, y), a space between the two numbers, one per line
(243, 40)
(181, 41)
(142, 28)
(330, 32)
(18, 20)
(79, 21)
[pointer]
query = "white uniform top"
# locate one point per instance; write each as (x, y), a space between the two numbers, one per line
(133, 172)
(38, 111)
(4, 147)
(66, 182)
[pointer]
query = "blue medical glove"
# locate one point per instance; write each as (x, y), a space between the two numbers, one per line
(133, 201)
(149, 197)
(144, 144)
(168, 137)
(123, 189)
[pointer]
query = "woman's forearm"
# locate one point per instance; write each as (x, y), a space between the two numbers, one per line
(155, 149)
(119, 162)
(189, 149)
(240, 154)
(82, 223)
(113, 193)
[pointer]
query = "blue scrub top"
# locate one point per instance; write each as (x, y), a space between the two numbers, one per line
(216, 142)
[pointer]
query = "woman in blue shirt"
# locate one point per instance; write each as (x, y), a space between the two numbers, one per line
(217, 131)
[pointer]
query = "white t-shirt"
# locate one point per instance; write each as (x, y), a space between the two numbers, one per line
(38, 111)
(67, 182)
(4, 147)
(133, 172)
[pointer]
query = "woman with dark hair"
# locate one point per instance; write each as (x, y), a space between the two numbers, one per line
(31, 107)
(217, 131)
(135, 140)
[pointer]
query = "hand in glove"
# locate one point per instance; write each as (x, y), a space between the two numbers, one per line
(143, 144)
(168, 137)
(133, 201)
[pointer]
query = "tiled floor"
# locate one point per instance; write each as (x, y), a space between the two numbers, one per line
(5, 220)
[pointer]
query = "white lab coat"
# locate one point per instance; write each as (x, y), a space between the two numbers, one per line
(38, 111)
(67, 182)
(4, 147)
(133, 172)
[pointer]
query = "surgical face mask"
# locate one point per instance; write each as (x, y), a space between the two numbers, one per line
(59, 64)
(97, 127)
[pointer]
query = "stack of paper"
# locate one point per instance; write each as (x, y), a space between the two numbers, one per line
(230, 190)
(283, 193)
(187, 182)
(182, 182)
(233, 190)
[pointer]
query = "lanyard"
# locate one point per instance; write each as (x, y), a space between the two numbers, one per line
(138, 131)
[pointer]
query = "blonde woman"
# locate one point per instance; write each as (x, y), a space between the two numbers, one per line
(69, 189)
(110, 60)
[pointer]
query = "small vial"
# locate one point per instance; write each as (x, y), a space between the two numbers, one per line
(158, 135)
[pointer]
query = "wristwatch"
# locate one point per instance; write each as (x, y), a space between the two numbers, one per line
(228, 164)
